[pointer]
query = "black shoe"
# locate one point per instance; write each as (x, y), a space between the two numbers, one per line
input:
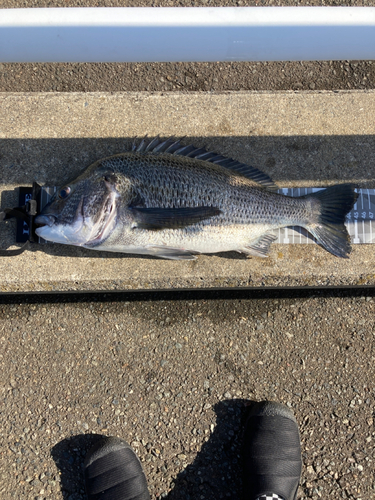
(114, 472)
(272, 453)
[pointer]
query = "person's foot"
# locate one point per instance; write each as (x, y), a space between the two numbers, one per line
(272, 453)
(113, 472)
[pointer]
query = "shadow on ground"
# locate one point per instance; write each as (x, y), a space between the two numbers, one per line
(296, 160)
(215, 472)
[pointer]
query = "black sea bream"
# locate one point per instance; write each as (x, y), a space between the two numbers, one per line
(175, 201)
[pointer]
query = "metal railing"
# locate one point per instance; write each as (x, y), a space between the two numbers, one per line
(166, 34)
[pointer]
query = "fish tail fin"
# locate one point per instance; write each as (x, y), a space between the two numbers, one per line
(330, 230)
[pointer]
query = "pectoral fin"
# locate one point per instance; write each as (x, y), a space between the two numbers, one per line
(170, 253)
(171, 218)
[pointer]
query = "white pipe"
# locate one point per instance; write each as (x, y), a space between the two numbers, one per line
(187, 34)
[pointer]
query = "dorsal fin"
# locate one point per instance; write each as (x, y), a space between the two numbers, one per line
(173, 146)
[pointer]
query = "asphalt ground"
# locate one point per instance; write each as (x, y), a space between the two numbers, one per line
(174, 374)
(175, 378)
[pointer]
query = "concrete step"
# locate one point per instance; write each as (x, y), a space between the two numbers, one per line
(305, 139)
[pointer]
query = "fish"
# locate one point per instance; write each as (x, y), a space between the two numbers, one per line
(177, 201)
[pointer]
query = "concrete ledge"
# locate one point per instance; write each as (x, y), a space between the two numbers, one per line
(300, 139)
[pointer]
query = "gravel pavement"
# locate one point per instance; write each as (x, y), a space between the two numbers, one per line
(175, 377)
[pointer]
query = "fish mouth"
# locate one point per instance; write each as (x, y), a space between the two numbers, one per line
(45, 220)
(50, 228)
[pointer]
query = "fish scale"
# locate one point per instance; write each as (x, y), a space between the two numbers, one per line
(241, 199)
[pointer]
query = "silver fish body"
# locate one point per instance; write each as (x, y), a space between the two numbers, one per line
(171, 202)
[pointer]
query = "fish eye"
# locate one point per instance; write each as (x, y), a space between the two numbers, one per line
(108, 177)
(64, 192)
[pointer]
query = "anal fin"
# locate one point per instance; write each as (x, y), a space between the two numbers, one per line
(261, 246)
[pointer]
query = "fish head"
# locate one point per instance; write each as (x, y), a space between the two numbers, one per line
(82, 212)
